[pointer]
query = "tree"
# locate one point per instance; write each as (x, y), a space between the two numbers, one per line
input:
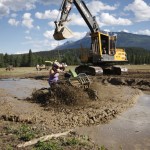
(30, 59)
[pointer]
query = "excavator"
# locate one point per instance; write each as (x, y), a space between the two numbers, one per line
(103, 54)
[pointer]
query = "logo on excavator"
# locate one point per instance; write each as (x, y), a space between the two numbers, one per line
(85, 12)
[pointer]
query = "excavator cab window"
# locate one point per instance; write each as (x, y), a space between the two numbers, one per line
(112, 45)
(105, 44)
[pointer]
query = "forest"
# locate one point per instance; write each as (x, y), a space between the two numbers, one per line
(71, 57)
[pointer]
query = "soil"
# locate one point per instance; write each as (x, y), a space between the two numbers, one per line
(66, 107)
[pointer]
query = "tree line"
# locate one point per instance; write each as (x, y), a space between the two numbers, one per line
(70, 56)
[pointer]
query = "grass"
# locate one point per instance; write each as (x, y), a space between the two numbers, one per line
(51, 145)
(26, 70)
(139, 67)
(23, 132)
(32, 70)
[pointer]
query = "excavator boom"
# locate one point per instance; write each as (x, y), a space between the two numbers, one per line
(61, 31)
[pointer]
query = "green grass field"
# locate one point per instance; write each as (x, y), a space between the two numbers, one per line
(32, 70)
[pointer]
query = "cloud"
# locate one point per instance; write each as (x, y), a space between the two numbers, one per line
(125, 30)
(76, 19)
(13, 15)
(140, 9)
(6, 6)
(38, 27)
(27, 20)
(108, 20)
(13, 22)
(28, 37)
(51, 24)
(78, 35)
(17, 5)
(41, 45)
(48, 14)
(49, 34)
(27, 32)
(97, 6)
(144, 32)
(4, 10)
(48, 2)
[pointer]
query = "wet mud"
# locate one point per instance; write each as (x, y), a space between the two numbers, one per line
(66, 107)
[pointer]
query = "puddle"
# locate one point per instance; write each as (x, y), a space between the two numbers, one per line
(21, 88)
(130, 131)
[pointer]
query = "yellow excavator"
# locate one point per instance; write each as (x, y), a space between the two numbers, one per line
(103, 54)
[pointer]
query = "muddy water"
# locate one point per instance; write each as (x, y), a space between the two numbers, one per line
(21, 88)
(130, 131)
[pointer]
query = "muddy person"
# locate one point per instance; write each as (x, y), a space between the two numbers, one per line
(54, 73)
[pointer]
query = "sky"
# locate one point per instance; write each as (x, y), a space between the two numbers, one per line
(29, 24)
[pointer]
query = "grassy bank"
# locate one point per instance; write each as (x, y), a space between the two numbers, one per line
(32, 70)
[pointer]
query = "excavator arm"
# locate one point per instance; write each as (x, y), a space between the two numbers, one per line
(63, 32)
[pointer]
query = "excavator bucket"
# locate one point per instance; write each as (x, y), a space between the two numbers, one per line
(80, 81)
(62, 33)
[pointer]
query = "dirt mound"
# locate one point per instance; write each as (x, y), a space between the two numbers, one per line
(60, 94)
(69, 107)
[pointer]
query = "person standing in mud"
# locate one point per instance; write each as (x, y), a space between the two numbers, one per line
(54, 73)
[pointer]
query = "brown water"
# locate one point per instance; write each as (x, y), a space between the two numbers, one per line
(129, 131)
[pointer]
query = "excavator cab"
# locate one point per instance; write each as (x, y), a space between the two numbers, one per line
(62, 32)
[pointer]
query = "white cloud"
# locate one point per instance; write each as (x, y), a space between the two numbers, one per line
(14, 15)
(107, 30)
(4, 10)
(96, 6)
(6, 6)
(51, 24)
(49, 34)
(41, 45)
(27, 32)
(17, 5)
(125, 30)
(140, 9)
(27, 20)
(28, 37)
(48, 14)
(144, 32)
(48, 2)
(38, 27)
(76, 19)
(13, 22)
(78, 35)
(108, 20)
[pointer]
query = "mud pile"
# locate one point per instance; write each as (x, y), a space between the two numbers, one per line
(140, 83)
(60, 94)
(68, 107)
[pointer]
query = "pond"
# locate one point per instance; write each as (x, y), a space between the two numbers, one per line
(129, 131)
(22, 88)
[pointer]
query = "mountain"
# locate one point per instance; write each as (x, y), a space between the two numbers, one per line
(124, 39)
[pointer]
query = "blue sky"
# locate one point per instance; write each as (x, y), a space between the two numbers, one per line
(29, 24)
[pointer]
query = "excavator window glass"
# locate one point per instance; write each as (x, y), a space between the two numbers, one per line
(105, 44)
